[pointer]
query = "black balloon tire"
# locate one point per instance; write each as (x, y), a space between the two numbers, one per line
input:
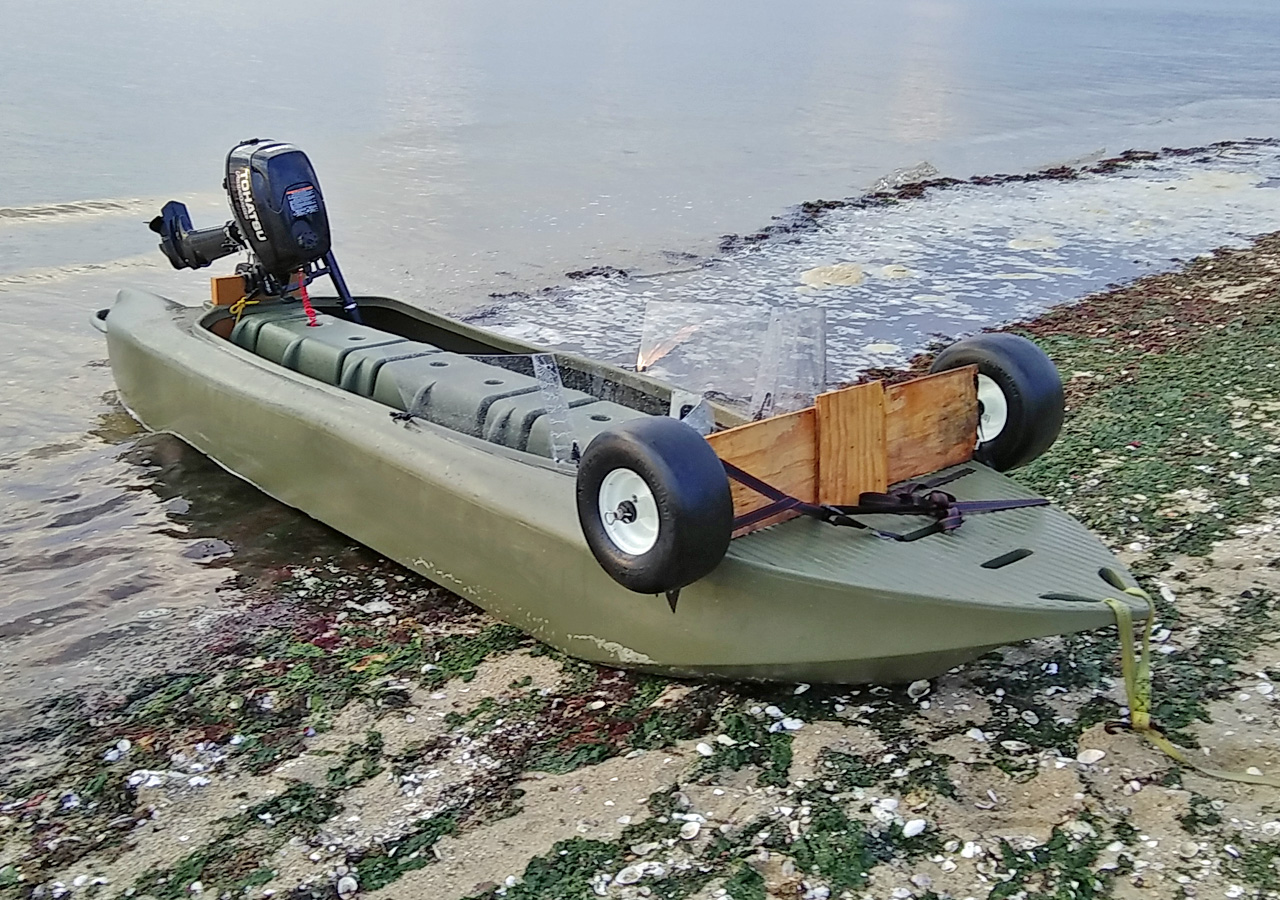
(1032, 390)
(691, 492)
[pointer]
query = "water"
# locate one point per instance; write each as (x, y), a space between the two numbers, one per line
(469, 149)
(950, 263)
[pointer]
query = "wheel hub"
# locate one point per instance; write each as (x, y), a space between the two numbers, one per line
(628, 511)
(993, 409)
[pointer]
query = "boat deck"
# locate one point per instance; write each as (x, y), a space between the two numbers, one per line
(1028, 557)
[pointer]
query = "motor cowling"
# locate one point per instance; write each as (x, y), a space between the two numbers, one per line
(278, 207)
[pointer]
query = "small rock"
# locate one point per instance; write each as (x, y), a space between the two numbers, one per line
(196, 887)
(801, 688)
(725, 740)
(792, 724)
(595, 704)
(1188, 849)
(1015, 746)
(1030, 717)
(1090, 756)
(773, 712)
(705, 749)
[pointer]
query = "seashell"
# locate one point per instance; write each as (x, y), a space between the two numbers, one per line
(1090, 756)
(913, 827)
(347, 886)
(629, 875)
(918, 689)
(1030, 717)
(689, 830)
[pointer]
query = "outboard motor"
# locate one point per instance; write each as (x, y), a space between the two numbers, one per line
(279, 218)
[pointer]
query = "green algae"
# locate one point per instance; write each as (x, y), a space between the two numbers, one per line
(1060, 869)
(410, 852)
(753, 745)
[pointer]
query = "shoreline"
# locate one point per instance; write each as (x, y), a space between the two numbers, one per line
(366, 725)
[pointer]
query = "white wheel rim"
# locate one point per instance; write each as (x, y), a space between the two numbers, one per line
(994, 408)
(628, 512)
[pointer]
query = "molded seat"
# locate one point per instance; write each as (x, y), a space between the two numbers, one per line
(246, 330)
(449, 389)
(361, 366)
(585, 422)
(510, 420)
(318, 350)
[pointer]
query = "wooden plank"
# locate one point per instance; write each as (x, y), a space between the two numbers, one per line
(781, 451)
(852, 454)
(226, 289)
(931, 423)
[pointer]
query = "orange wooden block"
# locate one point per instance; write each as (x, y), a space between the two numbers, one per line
(226, 289)
(851, 443)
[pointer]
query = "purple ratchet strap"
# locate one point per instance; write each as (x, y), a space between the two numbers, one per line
(918, 498)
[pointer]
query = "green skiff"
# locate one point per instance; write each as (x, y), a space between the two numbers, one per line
(799, 601)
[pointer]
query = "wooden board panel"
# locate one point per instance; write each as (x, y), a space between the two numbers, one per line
(781, 451)
(226, 289)
(851, 443)
(931, 423)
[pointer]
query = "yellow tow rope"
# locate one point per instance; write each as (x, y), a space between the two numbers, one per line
(1137, 684)
(237, 309)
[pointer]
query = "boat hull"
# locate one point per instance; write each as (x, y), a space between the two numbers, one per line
(800, 601)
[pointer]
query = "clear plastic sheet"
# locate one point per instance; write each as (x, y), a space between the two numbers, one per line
(703, 347)
(793, 362)
(768, 361)
(694, 410)
(564, 445)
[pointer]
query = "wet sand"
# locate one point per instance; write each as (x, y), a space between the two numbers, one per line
(352, 728)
